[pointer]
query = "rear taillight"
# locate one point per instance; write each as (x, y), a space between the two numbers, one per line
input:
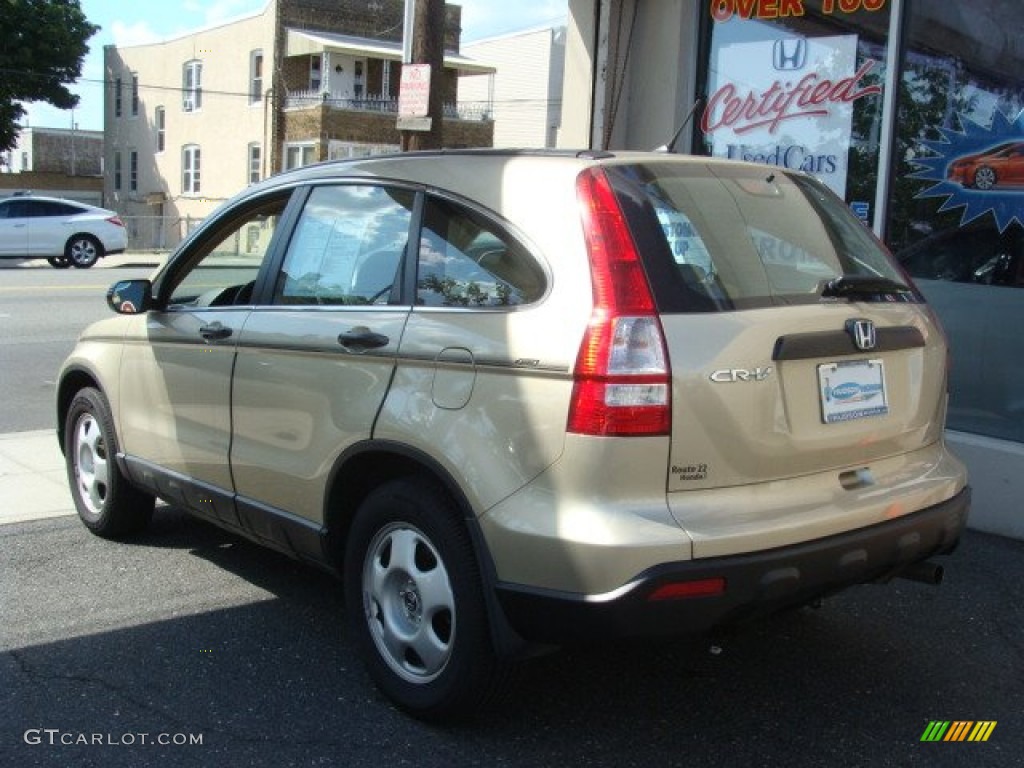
(115, 220)
(622, 383)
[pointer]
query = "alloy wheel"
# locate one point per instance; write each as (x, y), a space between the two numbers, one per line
(92, 469)
(409, 603)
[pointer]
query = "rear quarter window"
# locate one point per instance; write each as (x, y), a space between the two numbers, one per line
(466, 260)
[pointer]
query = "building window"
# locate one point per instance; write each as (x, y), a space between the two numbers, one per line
(117, 97)
(133, 171)
(135, 95)
(298, 155)
(117, 171)
(255, 160)
(24, 161)
(192, 86)
(190, 169)
(160, 118)
(315, 64)
(256, 77)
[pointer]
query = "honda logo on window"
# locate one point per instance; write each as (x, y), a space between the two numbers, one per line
(863, 334)
(789, 54)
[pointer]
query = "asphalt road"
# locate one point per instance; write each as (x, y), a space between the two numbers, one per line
(42, 311)
(190, 633)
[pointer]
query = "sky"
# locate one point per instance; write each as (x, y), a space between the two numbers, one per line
(128, 22)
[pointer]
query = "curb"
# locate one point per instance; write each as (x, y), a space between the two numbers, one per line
(127, 260)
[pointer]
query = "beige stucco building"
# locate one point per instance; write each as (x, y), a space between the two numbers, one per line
(191, 120)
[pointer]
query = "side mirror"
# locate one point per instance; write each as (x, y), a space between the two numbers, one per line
(130, 297)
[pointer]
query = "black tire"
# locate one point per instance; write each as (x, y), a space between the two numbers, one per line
(83, 251)
(985, 178)
(418, 614)
(59, 262)
(106, 502)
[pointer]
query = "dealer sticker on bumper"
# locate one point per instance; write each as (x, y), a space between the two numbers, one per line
(852, 390)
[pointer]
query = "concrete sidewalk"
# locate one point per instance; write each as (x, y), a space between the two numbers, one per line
(128, 259)
(33, 481)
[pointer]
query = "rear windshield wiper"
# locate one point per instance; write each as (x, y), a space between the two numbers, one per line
(862, 285)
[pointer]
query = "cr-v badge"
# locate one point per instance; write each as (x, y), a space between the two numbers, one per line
(731, 375)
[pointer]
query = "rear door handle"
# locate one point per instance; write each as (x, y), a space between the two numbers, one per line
(214, 332)
(362, 338)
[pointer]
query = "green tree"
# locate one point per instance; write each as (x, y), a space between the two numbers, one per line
(42, 45)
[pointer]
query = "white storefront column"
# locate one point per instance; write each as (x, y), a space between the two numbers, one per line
(578, 85)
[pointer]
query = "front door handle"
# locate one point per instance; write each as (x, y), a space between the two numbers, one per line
(362, 338)
(214, 332)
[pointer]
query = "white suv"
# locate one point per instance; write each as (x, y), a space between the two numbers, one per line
(521, 398)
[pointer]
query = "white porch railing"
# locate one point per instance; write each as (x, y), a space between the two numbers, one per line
(475, 111)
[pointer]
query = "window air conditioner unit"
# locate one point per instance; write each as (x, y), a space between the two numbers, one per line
(188, 105)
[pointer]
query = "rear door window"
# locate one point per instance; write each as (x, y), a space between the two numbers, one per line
(730, 237)
(64, 209)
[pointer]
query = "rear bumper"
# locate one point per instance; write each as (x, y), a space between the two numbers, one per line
(755, 584)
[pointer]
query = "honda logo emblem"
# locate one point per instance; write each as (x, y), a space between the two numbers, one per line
(863, 334)
(789, 54)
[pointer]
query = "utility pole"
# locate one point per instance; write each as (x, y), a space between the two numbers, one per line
(428, 48)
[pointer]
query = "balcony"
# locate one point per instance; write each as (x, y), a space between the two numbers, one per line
(469, 111)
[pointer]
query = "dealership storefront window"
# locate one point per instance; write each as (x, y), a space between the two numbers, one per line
(800, 87)
(957, 199)
(802, 84)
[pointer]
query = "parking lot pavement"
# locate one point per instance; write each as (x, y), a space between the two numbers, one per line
(192, 631)
(242, 654)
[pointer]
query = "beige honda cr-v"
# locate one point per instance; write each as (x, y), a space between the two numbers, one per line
(517, 399)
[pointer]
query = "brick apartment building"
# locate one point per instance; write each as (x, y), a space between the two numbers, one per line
(191, 120)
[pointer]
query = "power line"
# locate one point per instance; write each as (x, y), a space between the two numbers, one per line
(127, 85)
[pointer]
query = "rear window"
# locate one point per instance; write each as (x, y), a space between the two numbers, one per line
(733, 237)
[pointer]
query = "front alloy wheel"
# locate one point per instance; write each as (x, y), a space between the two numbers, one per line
(92, 464)
(106, 502)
